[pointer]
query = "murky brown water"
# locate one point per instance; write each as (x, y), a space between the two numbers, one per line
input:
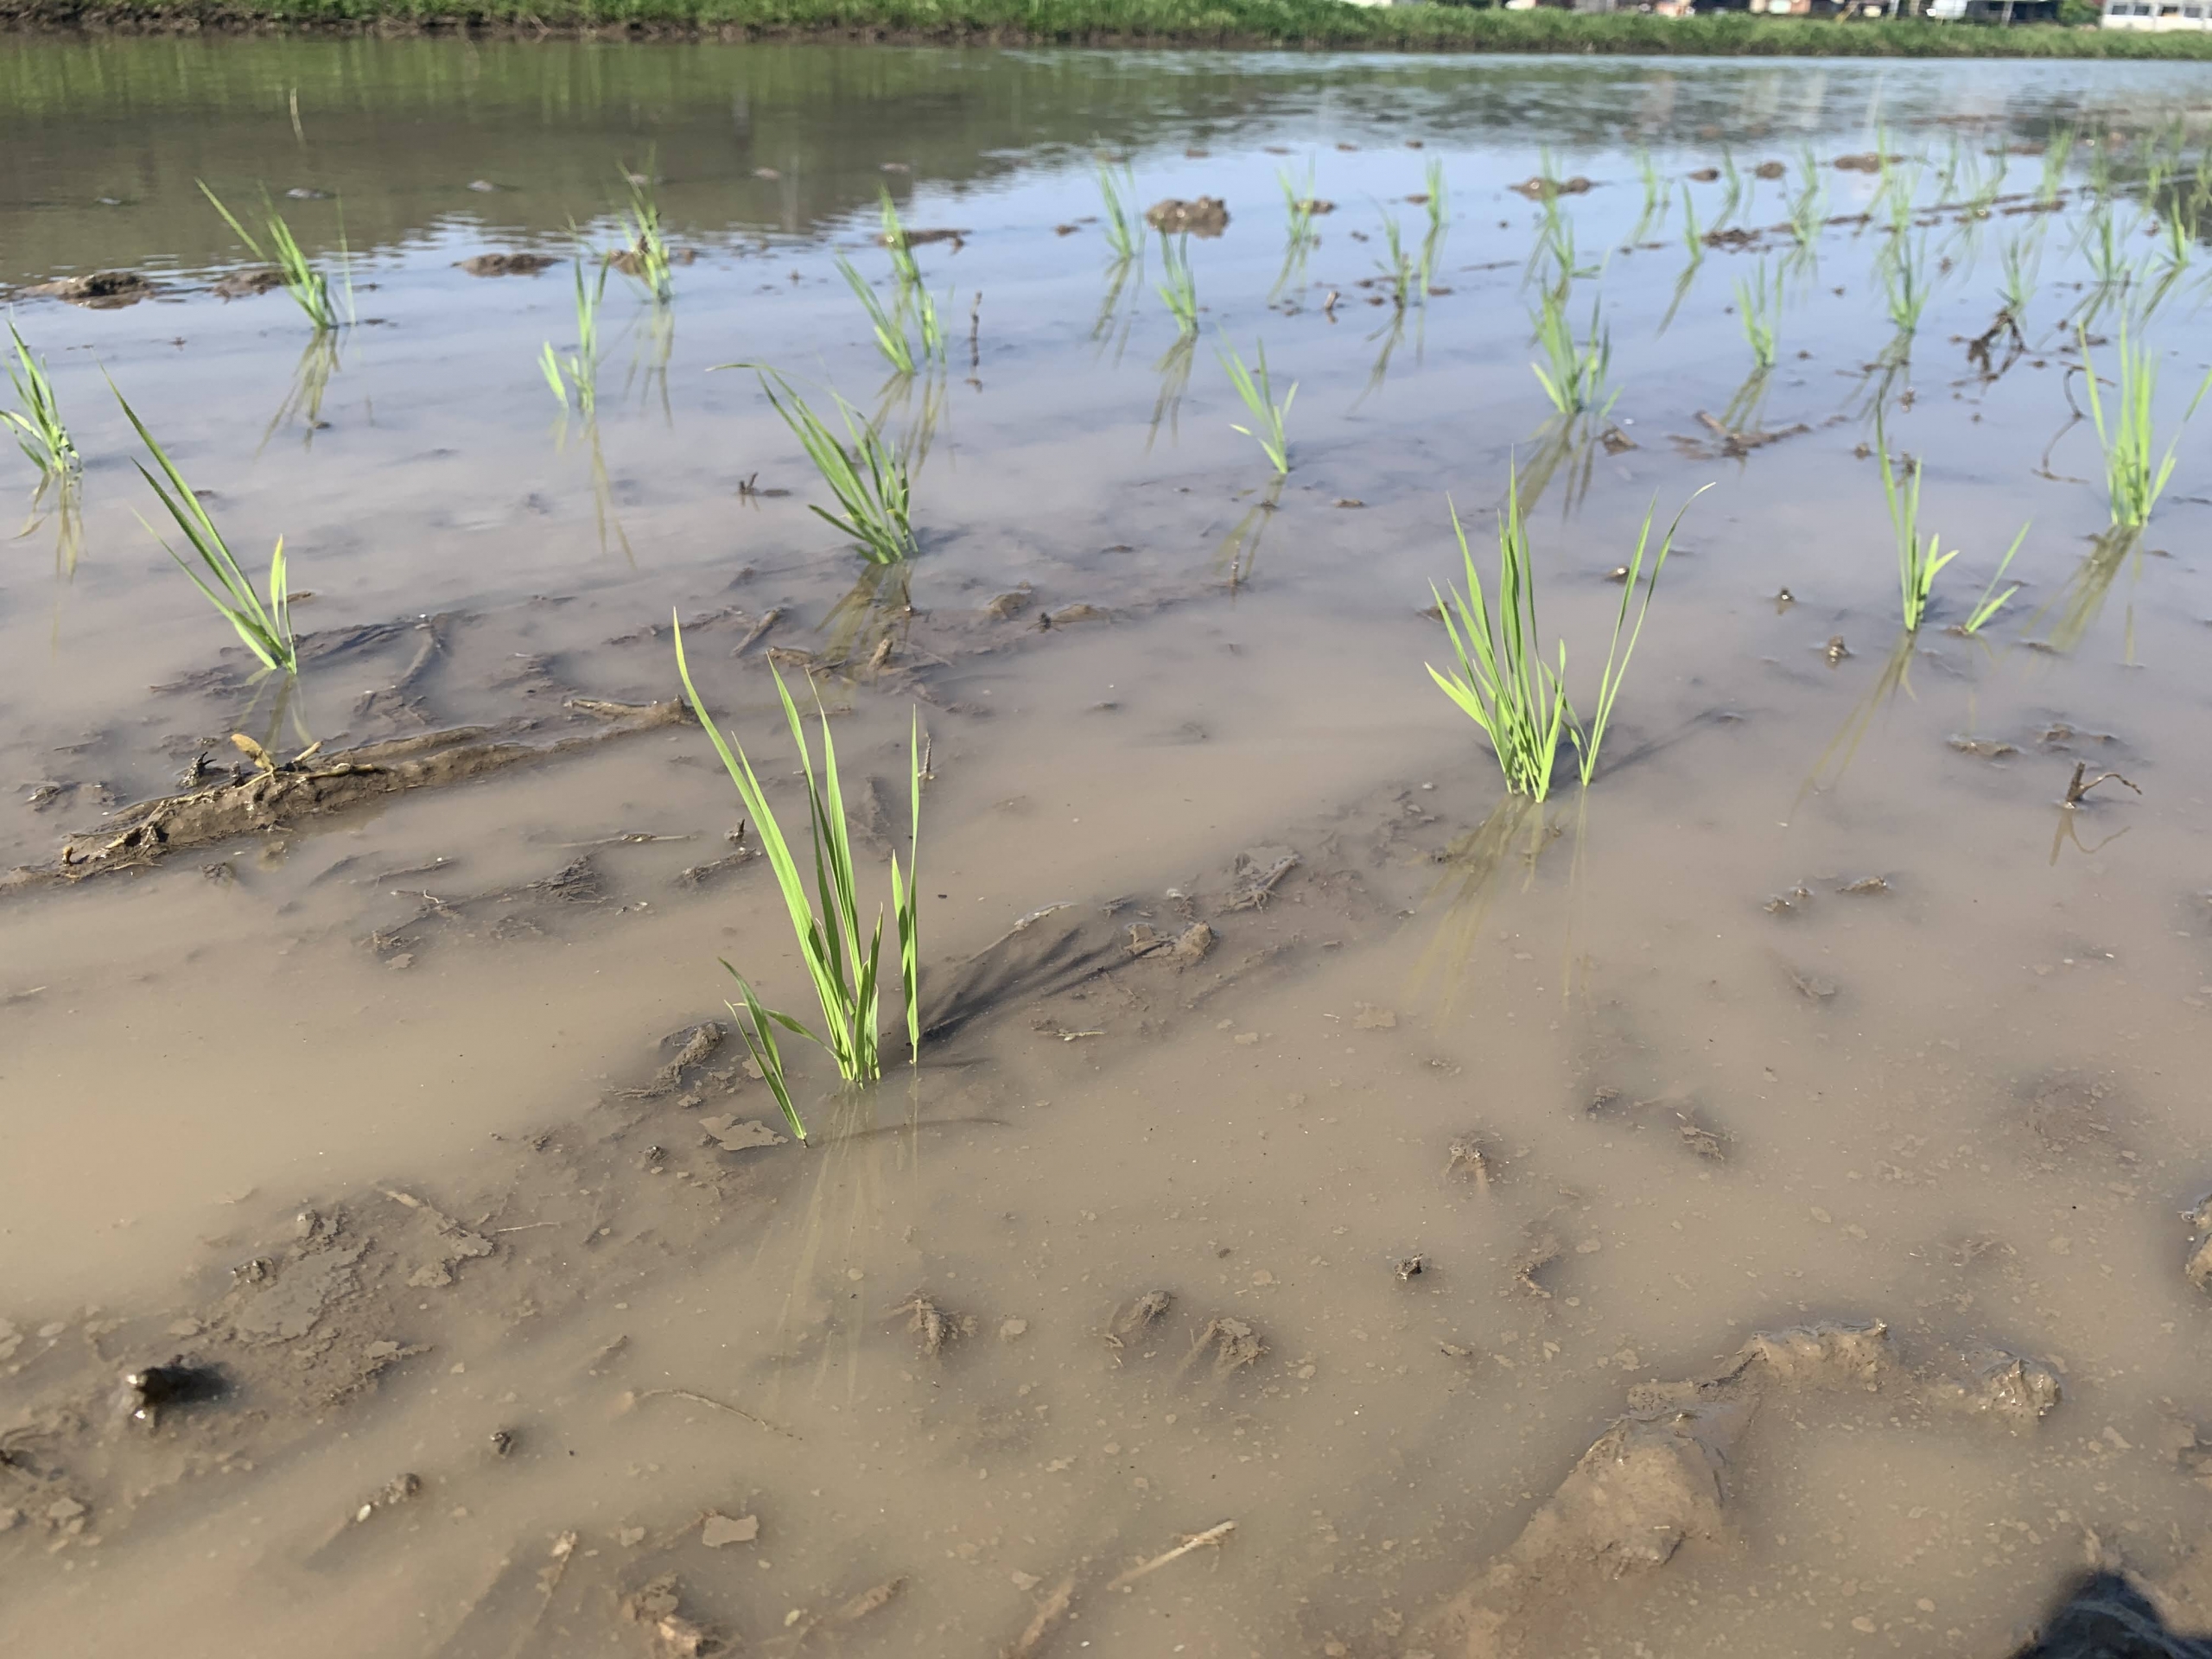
(1710, 1091)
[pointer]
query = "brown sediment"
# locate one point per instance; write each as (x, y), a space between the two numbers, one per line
(278, 796)
(1207, 216)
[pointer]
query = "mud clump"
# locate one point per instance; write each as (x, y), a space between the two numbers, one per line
(1659, 1477)
(656, 1605)
(1133, 1320)
(245, 284)
(933, 1327)
(2199, 1264)
(96, 290)
(508, 264)
(1207, 216)
(1232, 1343)
(1540, 189)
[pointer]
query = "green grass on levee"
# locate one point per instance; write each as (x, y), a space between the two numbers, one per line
(1304, 24)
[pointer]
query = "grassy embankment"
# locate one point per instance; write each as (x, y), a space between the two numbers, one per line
(1303, 23)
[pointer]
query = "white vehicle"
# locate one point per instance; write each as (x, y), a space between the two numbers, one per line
(2158, 15)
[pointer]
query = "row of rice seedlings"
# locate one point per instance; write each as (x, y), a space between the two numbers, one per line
(263, 626)
(2134, 481)
(308, 286)
(1758, 307)
(866, 475)
(1575, 382)
(1124, 227)
(1178, 289)
(1258, 392)
(842, 950)
(645, 257)
(1499, 678)
(914, 294)
(39, 430)
(576, 375)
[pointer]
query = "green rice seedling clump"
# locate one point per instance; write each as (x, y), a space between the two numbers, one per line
(1499, 678)
(308, 286)
(1117, 191)
(842, 949)
(1575, 382)
(577, 374)
(1758, 307)
(644, 256)
(1917, 564)
(1992, 602)
(39, 430)
(265, 628)
(1258, 393)
(2134, 481)
(868, 477)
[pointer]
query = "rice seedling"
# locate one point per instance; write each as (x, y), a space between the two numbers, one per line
(1298, 205)
(1439, 199)
(1178, 289)
(2100, 170)
(1124, 228)
(867, 476)
(2057, 151)
(1992, 602)
(576, 375)
(890, 330)
(1917, 565)
(1904, 283)
(308, 286)
(39, 430)
(1500, 679)
(2134, 481)
(1734, 197)
(842, 950)
(1758, 307)
(1809, 206)
(2019, 259)
(264, 626)
(1658, 192)
(1694, 244)
(1555, 248)
(2100, 245)
(1576, 380)
(645, 257)
(1398, 272)
(914, 294)
(1258, 393)
(1173, 369)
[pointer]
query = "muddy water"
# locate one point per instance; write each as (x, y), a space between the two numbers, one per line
(365, 1110)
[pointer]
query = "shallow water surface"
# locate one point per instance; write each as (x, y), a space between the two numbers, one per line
(1463, 1126)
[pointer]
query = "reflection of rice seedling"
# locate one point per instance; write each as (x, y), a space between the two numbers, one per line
(1440, 220)
(310, 381)
(1810, 203)
(1258, 393)
(1501, 680)
(577, 374)
(1240, 550)
(1758, 307)
(890, 331)
(1695, 243)
(645, 258)
(2134, 481)
(1174, 372)
(1124, 231)
(1576, 380)
(40, 432)
(2056, 150)
(265, 628)
(302, 281)
(867, 476)
(1734, 197)
(843, 955)
(1992, 602)
(1178, 289)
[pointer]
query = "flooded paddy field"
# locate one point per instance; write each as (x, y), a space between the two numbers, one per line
(1752, 1204)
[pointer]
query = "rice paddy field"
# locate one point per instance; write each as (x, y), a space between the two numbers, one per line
(1428, 1135)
